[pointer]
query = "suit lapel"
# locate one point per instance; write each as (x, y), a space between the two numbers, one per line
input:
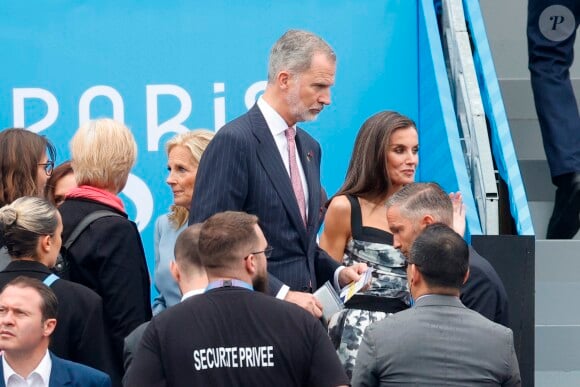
(312, 179)
(58, 374)
(274, 166)
(2, 384)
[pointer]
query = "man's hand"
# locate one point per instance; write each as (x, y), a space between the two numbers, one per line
(306, 301)
(351, 273)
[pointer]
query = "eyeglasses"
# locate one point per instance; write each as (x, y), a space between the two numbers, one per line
(48, 167)
(267, 252)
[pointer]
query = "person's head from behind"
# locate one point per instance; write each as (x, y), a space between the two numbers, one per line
(301, 72)
(184, 153)
(232, 245)
(103, 152)
(28, 310)
(26, 162)
(60, 183)
(438, 262)
(30, 228)
(384, 157)
(414, 207)
(187, 268)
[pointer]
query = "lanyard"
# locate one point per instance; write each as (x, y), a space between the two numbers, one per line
(228, 283)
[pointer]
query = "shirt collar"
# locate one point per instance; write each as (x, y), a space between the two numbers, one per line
(275, 122)
(42, 369)
(191, 293)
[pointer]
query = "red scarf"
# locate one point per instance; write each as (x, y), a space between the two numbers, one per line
(98, 195)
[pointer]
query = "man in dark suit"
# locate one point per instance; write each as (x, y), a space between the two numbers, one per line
(80, 335)
(551, 31)
(438, 342)
(261, 163)
(28, 310)
(418, 205)
(233, 335)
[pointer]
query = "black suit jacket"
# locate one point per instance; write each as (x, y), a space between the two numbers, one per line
(484, 292)
(242, 170)
(80, 330)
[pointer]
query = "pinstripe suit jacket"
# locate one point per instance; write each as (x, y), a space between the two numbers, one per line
(242, 170)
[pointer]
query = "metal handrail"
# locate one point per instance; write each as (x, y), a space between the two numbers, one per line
(470, 114)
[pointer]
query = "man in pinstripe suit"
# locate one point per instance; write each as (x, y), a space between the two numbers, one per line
(255, 164)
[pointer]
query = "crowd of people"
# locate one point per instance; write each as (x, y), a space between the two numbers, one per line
(237, 258)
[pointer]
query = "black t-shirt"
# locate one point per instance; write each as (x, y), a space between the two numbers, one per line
(235, 337)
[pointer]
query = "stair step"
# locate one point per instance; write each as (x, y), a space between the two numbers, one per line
(557, 378)
(557, 348)
(557, 275)
(519, 100)
(557, 313)
(527, 139)
(541, 212)
(537, 180)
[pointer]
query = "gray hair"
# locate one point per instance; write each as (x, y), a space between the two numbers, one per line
(293, 52)
(416, 200)
(23, 221)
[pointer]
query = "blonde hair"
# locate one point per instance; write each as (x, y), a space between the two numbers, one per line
(103, 152)
(196, 141)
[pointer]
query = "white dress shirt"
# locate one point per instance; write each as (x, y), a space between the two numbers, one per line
(277, 126)
(39, 377)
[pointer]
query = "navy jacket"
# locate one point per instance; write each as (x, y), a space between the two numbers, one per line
(242, 170)
(65, 373)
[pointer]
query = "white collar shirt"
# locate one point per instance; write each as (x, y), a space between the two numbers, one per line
(277, 127)
(39, 377)
(191, 293)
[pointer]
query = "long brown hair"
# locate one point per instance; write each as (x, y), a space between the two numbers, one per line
(367, 173)
(20, 153)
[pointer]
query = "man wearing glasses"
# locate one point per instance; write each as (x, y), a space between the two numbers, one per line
(438, 341)
(234, 335)
(416, 206)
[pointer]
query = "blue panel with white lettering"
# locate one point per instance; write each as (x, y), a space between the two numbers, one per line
(165, 67)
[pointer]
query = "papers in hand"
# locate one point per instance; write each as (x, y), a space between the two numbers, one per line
(331, 302)
(354, 287)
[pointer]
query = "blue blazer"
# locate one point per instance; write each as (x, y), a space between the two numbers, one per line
(242, 170)
(67, 373)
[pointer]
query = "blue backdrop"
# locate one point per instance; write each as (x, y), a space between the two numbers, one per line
(164, 67)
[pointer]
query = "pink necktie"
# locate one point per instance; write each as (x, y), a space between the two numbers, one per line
(294, 174)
